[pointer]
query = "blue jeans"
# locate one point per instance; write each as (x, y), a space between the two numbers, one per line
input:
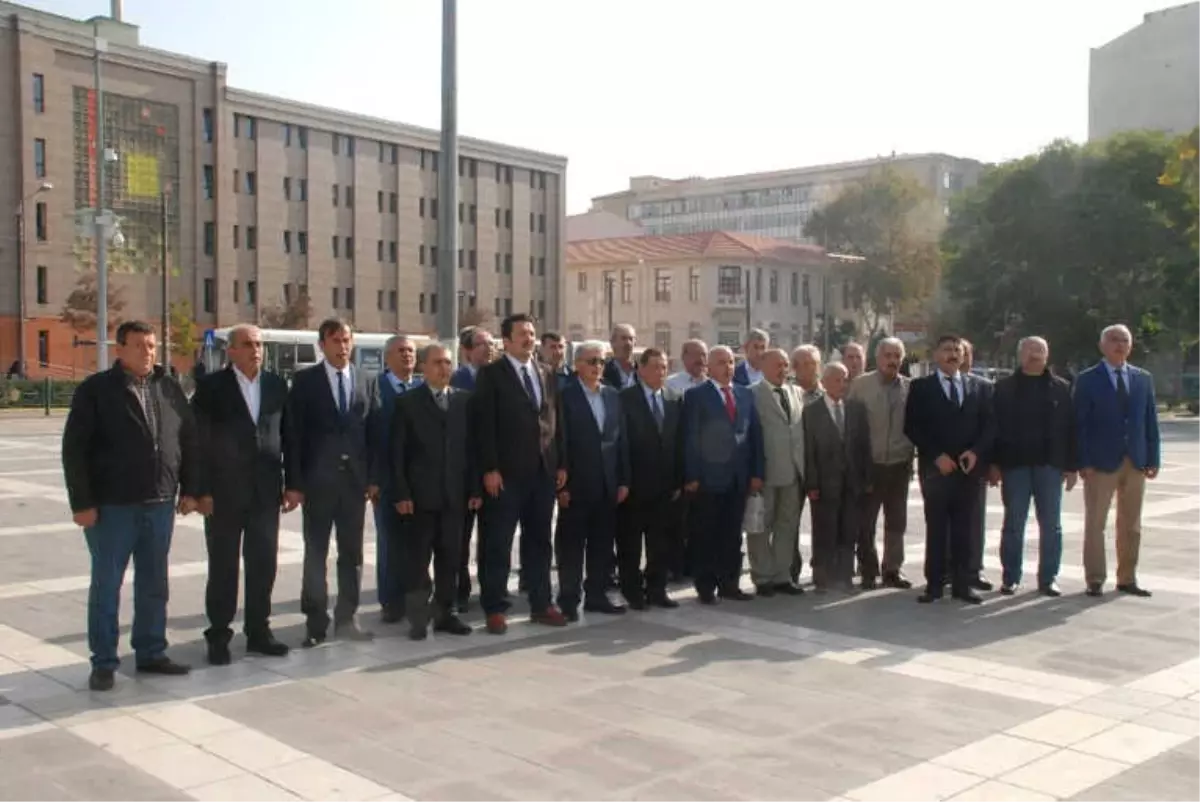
(390, 554)
(143, 532)
(1044, 484)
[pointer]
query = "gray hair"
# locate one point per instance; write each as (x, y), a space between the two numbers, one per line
(245, 329)
(890, 342)
(622, 327)
(758, 336)
(834, 367)
(1027, 341)
(395, 339)
(601, 348)
(692, 343)
(428, 351)
(808, 348)
(1114, 328)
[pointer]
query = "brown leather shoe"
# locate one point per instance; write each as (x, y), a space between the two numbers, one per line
(550, 617)
(497, 624)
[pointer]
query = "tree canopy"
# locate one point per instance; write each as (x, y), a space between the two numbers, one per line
(185, 334)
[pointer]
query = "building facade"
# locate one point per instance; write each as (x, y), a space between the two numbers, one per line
(775, 204)
(267, 200)
(708, 286)
(1147, 78)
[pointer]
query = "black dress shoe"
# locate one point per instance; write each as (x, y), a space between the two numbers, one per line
(418, 633)
(928, 597)
(896, 581)
(1050, 589)
(661, 600)
(1008, 590)
(968, 596)
(789, 589)
(604, 607)
(708, 597)
(391, 614)
(980, 582)
(313, 640)
(101, 679)
(165, 666)
(736, 594)
(1095, 590)
(452, 625)
(868, 584)
(766, 591)
(1133, 589)
(266, 645)
(218, 653)
(571, 614)
(637, 603)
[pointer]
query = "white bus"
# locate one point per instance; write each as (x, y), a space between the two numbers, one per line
(285, 351)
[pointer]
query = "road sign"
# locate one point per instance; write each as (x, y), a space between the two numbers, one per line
(210, 338)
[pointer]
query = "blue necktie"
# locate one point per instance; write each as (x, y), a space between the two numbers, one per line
(656, 408)
(341, 393)
(529, 386)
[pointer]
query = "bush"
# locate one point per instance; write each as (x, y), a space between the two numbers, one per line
(31, 393)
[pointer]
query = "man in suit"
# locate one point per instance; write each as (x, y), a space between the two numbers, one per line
(806, 376)
(475, 345)
(837, 463)
(596, 459)
(780, 411)
(331, 415)
(239, 418)
(621, 372)
(722, 465)
(976, 577)
(884, 393)
(1034, 456)
(519, 449)
(434, 483)
(652, 415)
(694, 357)
(553, 354)
(128, 449)
(948, 417)
(400, 359)
(749, 370)
(1119, 450)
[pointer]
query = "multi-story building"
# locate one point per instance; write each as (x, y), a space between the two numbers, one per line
(710, 286)
(266, 199)
(775, 204)
(1147, 77)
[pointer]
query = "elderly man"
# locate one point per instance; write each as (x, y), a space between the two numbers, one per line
(854, 357)
(475, 345)
(621, 372)
(749, 371)
(1119, 450)
(978, 540)
(694, 357)
(884, 393)
(779, 410)
(1034, 456)
(806, 373)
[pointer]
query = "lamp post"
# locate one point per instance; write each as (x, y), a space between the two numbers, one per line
(447, 277)
(103, 222)
(166, 297)
(22, 207)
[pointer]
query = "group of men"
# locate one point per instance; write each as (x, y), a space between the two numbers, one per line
(651, 475)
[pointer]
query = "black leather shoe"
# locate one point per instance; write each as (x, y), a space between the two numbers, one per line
(1008, 590)
(1134, 589)
(164, 666)
(1052, 590)
(605, 607)
(218, 653)
(571, 614)
(101, 679)
(637, 603)
(661, 600)
(418, 633)
(736, 594)
(789, 589)
(313, 640)
(1095, 590)
(391, 614)
(980, 583)
(766, 591)
(266, 645)
(928, 597)
(968, 596)
(896, 581)
(708, 597)
(452, 625)
(868, 584)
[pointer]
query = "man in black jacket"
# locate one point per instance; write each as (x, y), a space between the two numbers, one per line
(128, 448)
(239, 417)
(1034, 456)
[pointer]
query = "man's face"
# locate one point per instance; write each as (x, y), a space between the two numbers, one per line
(695, 360)
(654, 372)
(834, 384)
(854, 360)
(481, 352)
(246, 352)
(754, 351)
(554, 352)
(336, 346)
(437, 368)
(1034, 356)
(402, 358)
(888, 359)
(623, 340)
(949, 357)
(1116, 346)
(520, 345)
(589, 364)
(806, 367)
(720, 367)
(775, 368)
(138, 352)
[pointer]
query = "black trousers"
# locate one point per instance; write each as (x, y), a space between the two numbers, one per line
(585, 536)
(718, 532)
(951, 503)
(529, 503)
(341, 505)
(464, 556)
(835, 529)
(436, 535)
(650, 521)
(978, 533)
(233, 533)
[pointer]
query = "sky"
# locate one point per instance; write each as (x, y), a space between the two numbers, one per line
(673, 88)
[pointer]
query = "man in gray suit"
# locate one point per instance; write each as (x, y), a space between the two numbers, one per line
(779, 408)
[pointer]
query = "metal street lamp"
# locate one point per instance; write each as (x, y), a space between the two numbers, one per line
(22, 207)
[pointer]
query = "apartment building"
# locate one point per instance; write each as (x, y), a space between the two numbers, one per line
(707, 285)
(1147, 78)
(775, 204)
(266, 199)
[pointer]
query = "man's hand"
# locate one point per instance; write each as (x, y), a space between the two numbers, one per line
(814, 495)
(968, 460)
(187, 505)
(292, 499)
(204, 506)
(372, 493)
(755, 485)
(945, 465)
(622, 494)
(1086, 474)
(474, 503)
(86, 518)
(994, 475)
(1069, 479)
(564, 499)
(1151, 473)
(691, 487)
(493, 484)
(560, 478)
(404, 507)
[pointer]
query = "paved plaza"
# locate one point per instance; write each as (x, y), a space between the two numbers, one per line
(866, 697)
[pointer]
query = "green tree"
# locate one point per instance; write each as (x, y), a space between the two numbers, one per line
(185, 334)
(79, 310)
(888, 219)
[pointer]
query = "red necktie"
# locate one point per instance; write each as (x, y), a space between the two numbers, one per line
(730, 406)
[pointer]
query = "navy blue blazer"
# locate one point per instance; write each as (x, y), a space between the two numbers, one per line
(935, 426)
(382, 438)
(1105, 439)
(597, 462)
(718, 454)
(462, 378)
(741, 374)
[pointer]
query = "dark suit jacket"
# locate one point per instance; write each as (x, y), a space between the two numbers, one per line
(1014, 401)
(321, 441)
(382, 437)
(833, 462)
(1105, 437)
(716, 453)
(510, 435)
(563, 376)
(597, 462)
(432, 465)
(462, 378)
(656, 458)
(241, 462)
(612, 375)
(741, 373)
(936, 426)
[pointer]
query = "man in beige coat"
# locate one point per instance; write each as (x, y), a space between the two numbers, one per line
(779, 406)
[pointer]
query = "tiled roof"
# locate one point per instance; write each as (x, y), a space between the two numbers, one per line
(706, 245)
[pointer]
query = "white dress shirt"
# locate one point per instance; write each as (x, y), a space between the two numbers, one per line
(331, 373)
(530, 366)
(251, 392)
(683, 381)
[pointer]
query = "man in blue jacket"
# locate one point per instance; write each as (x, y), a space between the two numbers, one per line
(1118, 451)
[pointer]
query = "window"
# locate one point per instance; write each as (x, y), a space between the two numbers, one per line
(773, 287)
(472, 259)
(662, 337)
(251, 292)
(626, 287)
(349, 197)
(421, 297)
(541, 265)
(393, 252)
(287, 188)
(251, 182)
(287, 135)
(508, 263)
(304, 189)
(392, 202)
(541, 224)
(39, 93)
(302, 137)
(379, 251)
(39, 158)
(729, 283)
(350, 292)
(382, 153)
(335, 244)
(541, 180)
(208, 295)
(508, 306)
(44, 348)
(508, 218)
(804, 293)
(287, 293)
(350, 153)
(498, 262)
(532, 265)
(210, 178)
(336, 298)
(471, 168)
(582, 281)
(421, 208)
(237, 237)
(41, 284)
(433, 295)
(532, 179)
(237, 180)
(499, 173)
(497, 217)
(251, 128)
(541, 309)
(379, 294)
(349, 247)
(420, 254)
(531, 221)
(336, 195)
(337, 148)
(758, 284)
(795, 293)
(302, 241)
(379, 201)
(434, 158)
(433, 257)
(42, 222)
(508, 180)
(474, 212)
(433, 208)
(207, 125)
(251, 238)
(496, 305)
(461, 211)
(392, 300)
(395, 149)
(662, 285)
(460, 258)
(287, 242)
(694, 284)
(210, 238)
